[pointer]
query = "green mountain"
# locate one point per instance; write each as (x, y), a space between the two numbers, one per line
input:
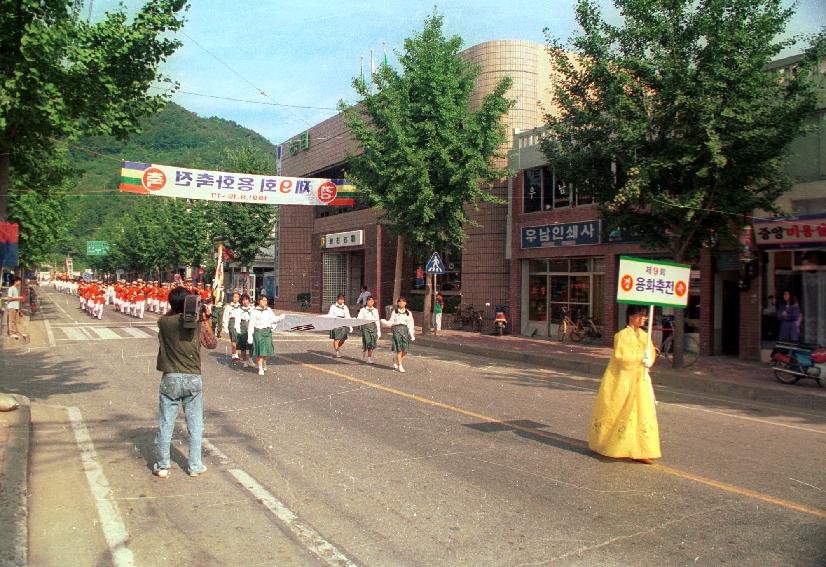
(174, 136)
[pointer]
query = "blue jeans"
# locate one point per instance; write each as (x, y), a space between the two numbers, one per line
(187, 390)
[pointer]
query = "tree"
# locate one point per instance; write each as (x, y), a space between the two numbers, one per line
(670, 120)
(246, 228)
(425, 155)
(61, 77)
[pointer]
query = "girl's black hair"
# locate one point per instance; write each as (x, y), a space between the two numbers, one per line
(397, 304)
(245, 296)
(340, 296)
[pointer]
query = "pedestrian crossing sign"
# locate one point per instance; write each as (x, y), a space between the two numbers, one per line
(435, 266)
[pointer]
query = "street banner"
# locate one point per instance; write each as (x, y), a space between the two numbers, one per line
(188, 183)
(653, 282)
(9, 252)
(97, 248)
(319, 322)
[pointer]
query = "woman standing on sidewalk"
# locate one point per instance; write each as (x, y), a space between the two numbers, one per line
(339, 335)
(371, 332)
(259, 333)
(788, 313)
(624, 422)
(401, 323)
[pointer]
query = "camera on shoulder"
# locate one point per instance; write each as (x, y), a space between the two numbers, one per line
(192, 311)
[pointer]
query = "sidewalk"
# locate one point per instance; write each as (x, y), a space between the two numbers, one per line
(14, 467)
(713, 375)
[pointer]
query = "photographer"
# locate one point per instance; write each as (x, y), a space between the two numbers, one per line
(179, 359)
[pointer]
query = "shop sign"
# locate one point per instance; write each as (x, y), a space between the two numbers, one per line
(340, 239)
(300, 143)
(563, 234)
(653, 282)
(805, 231)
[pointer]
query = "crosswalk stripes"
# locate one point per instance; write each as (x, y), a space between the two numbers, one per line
(101, 333)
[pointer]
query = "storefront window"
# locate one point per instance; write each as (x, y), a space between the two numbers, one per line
(533, 189)
(543, 191)
(580, 264)
(571, 285)
(558, 266)
(538, 266)
(538, 298)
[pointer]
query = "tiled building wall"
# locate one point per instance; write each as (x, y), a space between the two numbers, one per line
(295, 248)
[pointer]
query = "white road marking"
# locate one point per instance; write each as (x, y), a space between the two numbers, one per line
(74, 334)
(137, 333)
(310, 538)
(103, 332)
(114, 530)
(56, 304)
(214, 451)
(49, 333)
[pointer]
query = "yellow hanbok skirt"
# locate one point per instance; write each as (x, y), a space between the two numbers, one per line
(624, 422)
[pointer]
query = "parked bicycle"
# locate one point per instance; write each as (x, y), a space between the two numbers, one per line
(31, 301)
(467, 316)
(578, 328)
(665, 350)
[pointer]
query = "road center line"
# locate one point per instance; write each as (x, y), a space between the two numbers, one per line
(114, 530)
(310, 538)
(578, 444)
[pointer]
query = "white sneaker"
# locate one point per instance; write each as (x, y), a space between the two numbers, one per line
(369, 360)
(401, 369)
(161, 473)
(260, 371)
(338, 354)
(395, 366)
(235, 357)
(197, 473)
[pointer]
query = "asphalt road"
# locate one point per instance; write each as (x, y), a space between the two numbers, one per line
(459, 461)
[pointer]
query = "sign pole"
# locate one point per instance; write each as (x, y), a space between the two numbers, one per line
(650, 328)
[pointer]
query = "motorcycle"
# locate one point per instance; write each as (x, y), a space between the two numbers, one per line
(500, 321)
(792, 362)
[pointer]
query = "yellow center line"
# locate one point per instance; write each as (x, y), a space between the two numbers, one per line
(726, 487)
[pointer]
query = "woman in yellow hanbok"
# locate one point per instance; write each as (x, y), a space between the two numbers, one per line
(624, 422)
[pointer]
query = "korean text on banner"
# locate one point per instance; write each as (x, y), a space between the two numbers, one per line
(9, 253)
(653, 282)
(169, 181)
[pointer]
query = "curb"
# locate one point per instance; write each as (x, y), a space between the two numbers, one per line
(14, 508)
(803, 399)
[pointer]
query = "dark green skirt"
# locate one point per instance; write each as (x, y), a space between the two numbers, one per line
(241, 342)
(233, 336)
(369, 336)
(339, 334)
(401, 338)
(262, 343)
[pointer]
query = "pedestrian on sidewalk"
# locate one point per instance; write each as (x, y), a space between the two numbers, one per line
(438, 308)
(339, 334)
(624, 421)
(371, 332)
(259, 333)
(362, 298)
(13, 308)
(789, 315)
(404, 331)
(179, 360)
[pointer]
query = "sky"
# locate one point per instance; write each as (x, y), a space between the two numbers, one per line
(306, 53)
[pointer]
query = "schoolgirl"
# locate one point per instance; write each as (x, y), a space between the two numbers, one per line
(371, 332)
(339, 335)
(259, 333)
(243, 316)
(401, 323)
(231, 313)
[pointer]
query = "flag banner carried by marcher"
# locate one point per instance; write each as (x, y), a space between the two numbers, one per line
(319, 322)
(9, 252)
(188, 183)
(653, 282)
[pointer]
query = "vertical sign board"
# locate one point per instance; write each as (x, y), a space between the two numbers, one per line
(653, 282)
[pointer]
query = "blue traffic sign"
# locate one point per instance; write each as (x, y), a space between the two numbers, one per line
(435, 266)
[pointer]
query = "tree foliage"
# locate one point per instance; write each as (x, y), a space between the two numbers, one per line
(670, 118)
(424, 153)
(62, 77)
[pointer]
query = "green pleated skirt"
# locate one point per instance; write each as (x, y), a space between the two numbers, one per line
(401, 338)
(262, 343)
(241, 342)
(369, 336)
(339, 334)
(233, 336)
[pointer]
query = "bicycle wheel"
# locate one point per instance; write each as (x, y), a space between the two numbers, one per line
(783, 372)
(577, 333)
(665, 351)
(562, 330)
(691, 351)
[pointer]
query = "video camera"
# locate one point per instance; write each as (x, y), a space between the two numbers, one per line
(192, 311)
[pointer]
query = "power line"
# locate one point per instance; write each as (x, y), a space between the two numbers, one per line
(259, 101)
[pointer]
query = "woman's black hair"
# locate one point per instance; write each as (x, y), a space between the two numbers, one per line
(792, 297)
(397, 304)
(176, 299)
(340, 296)
(245, 296)
(635, 310)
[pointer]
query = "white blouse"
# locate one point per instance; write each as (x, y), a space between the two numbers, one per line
(337, 310)
(368, 313)
(242, 314)
(405, 318)
(229, 313)
(262, 319)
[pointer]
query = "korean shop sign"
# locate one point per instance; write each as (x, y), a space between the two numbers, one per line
(300, 143)
(653, 282)
(340, 239)
(188, 183)
(805, 231)
(563, 234)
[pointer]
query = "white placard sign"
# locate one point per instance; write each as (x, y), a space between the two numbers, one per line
(339, 239)
(653, 282)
